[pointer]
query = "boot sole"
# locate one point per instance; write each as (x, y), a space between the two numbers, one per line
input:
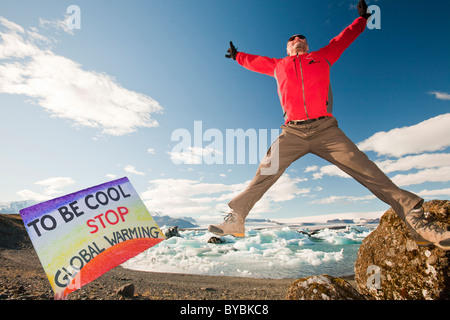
(238, 235)
(424, 244)
(421, 242)
(427, 244)
(219, 232)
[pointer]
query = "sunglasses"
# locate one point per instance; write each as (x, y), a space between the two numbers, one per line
(300, 36)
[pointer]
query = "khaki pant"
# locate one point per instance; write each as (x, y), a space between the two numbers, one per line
(324, 139)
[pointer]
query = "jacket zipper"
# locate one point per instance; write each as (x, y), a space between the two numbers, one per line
(303, 87)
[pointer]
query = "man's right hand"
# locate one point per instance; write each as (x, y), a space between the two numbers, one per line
(232, 52)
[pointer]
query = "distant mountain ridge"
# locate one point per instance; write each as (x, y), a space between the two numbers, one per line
(8, 207)
(162, 220)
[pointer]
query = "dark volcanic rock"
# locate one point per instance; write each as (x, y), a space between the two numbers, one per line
(322, 287)
(126, 291)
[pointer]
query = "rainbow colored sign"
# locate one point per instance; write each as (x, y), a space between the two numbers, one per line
(80, 236)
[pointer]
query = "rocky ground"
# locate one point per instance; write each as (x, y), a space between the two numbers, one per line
(22, 278)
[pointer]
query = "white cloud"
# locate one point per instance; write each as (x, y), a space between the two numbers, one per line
(436, 165)
(330, 170)
(151, 151)
(285, 189)
(31, 195)
(52, 189)
(336, 199)
(441, 174)
(181, 197)
(422, 161)
(311, 168)
(430, 135)
(58, 24)
(12, 45)
(433, 193)
(11, 25)
(65, 90)
(193, 155)
(441, 95)
(131, 169)
(52, 185)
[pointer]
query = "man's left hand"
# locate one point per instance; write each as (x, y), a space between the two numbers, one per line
(362, 9)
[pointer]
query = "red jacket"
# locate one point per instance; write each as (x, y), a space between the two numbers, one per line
(304, 80)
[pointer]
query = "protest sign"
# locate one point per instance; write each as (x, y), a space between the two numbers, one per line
(80, 236)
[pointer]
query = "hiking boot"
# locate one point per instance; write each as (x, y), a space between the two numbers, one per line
(233, 224)
(426, 233)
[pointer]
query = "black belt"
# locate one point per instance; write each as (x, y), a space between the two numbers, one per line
(306, 121)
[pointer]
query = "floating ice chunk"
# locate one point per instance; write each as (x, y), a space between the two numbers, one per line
(316, 258)
(350, 235)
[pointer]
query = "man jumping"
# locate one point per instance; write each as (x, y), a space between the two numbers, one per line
(303, 81)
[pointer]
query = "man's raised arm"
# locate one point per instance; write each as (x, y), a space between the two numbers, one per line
(337, 45)
(252, 62)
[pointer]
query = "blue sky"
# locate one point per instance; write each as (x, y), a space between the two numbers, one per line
(80, 107)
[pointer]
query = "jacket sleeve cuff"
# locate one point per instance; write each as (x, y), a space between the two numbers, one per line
(237, 55)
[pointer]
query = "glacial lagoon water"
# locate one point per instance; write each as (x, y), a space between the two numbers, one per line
(274, 253)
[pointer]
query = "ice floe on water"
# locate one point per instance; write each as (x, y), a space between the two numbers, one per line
(266, 253)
